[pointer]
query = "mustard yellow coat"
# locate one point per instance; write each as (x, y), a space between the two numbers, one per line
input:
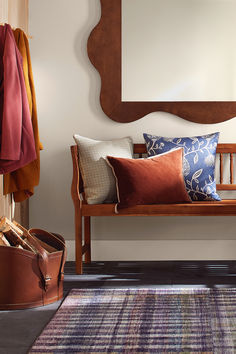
(22, 181)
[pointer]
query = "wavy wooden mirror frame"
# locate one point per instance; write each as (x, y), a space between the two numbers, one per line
(104, 51)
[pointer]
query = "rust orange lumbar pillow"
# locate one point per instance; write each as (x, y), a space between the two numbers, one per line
(156, 180)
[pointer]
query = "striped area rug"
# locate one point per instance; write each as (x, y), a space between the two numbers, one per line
(142, 321)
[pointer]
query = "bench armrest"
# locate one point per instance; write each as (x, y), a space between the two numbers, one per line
(75, 185)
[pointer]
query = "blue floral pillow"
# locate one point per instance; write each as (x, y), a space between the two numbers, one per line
(198, 161)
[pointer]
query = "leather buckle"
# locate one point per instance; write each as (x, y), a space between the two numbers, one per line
(47, 281)
(61, 276)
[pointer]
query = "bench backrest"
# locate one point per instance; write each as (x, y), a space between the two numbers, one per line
(226, 159)
(225, 166)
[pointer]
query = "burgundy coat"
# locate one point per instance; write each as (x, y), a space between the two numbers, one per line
(17, 146)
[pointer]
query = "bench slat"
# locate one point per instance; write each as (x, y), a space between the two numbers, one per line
(221, 148)
(231, 168)
(221, 168)
(226, 187)
(225, 207)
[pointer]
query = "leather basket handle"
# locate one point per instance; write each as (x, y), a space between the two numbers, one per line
(60, 242)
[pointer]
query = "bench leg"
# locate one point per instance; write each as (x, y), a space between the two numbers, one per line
(87, 238)
(78, 243)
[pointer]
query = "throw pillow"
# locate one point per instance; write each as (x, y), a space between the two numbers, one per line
(98, 179)
(198, 162)
(154, 180)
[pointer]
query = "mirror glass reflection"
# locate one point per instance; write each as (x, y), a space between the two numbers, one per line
(178, 50)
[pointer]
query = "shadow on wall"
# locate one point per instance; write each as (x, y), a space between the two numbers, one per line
(164, 228)
(80, 48)
(54, 188)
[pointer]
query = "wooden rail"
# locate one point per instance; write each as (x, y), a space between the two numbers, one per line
(222, 149)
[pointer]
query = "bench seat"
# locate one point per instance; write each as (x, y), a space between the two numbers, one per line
(224, 207)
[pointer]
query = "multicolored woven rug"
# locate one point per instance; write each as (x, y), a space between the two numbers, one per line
(142, 321)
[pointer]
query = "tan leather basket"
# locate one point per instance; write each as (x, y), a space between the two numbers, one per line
(29, 279)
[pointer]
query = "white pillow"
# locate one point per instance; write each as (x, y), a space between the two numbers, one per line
(99, 181)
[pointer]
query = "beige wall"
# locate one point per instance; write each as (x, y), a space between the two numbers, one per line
(67, 89)
(18, 14)
(14, 12)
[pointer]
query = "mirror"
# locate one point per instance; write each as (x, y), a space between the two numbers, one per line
(105, 52)
(178, 50)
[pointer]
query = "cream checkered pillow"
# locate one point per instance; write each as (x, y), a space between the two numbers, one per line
(99, 181)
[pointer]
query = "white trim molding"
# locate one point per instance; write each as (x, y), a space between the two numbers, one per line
(158, 250)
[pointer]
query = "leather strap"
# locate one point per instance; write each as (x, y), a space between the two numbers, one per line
(42, 259)
(63, 258)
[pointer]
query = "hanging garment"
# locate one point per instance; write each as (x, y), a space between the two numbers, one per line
(17, 147)
(22, 181)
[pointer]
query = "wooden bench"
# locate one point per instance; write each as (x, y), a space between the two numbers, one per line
(84, 211)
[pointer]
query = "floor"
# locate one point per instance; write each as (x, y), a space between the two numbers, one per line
(18, 329)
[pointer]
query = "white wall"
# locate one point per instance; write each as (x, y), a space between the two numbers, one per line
(67, 90)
